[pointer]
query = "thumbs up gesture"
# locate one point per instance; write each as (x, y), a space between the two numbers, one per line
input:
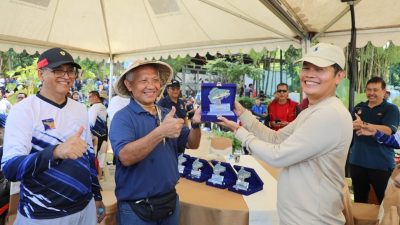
(73, 148)
(171, 127)
(357, 123)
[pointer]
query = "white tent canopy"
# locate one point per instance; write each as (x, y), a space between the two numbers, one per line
(131, 29)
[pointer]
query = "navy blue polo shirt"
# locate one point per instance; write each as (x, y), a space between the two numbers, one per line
(158, 172)
(166, 102)
(366, 151)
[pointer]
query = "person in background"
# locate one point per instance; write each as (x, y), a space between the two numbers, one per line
(259, 111)
(75, 96)
(21, 96)
(5, 105)
(370, 162)
(98, 126)
(282, 110)
(312, 149)
(145, 138)
(47, 146)
(248, 92)
(172, 99)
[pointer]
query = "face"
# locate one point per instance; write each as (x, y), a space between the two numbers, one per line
(144, 85)
(75, 96)
(258, 102)
(93, 99)
(174, 92)
(20, 97)
(57, 81)
(319, 82)
(375, 93)
(282, 92)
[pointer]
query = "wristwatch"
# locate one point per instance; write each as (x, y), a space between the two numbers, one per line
(196, 125)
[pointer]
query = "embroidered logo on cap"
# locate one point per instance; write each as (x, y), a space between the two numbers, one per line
(62, 53)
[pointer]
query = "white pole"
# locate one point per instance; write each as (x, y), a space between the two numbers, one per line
(110, 77)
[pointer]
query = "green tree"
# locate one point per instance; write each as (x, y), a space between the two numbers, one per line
(178, 63)
(233, 71)
(26, 77)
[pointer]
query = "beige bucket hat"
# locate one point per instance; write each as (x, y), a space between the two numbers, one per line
(164, 70)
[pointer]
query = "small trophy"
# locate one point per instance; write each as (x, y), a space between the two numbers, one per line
(181, 160)
(241, 183)
(216, 177)
(196, 169)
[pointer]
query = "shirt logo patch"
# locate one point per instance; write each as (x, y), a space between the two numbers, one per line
(379, 114)
(48, 124)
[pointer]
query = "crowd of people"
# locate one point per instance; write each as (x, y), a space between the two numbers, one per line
(51, 136)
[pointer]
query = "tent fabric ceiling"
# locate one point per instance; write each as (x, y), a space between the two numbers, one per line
(131, 29)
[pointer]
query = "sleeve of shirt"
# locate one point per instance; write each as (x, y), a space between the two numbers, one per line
(391, 141)
(92, 113)
(18, 162)
(93, 173)
(312, 138)
(121, 132)
(391, 118)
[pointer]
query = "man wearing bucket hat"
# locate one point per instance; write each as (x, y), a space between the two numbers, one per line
(48, 148)
(311, 150)
(145, 139)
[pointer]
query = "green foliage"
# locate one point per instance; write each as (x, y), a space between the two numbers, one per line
(88, 87)
(27, 78)
(246, 102)
(236, 144)
(178, 63)
(11, 60)
(233, 71)
(292, 54)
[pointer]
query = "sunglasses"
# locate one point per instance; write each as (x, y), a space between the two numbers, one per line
(281, 91)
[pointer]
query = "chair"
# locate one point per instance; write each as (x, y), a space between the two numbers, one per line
(358, 213)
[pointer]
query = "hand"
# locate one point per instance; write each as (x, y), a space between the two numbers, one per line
(357, 123)
(366, 130)
(239, 109)
(197, 116)
(233, 126)
(100, 211)
(73, 148)
(171, 127)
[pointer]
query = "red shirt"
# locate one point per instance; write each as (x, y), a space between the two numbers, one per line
(283, 112)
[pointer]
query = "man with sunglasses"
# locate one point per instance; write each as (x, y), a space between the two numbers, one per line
(282, 110)
(48, 148)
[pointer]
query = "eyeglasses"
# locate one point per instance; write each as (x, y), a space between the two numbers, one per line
(281, 91)
(61, 73)
(175, 88)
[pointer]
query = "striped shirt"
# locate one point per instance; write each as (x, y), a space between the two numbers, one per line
(50, 188)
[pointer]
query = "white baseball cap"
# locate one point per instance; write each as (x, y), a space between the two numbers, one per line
(324, 55)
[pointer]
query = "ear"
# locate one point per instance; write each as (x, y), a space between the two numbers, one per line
(128, 85)
(339, 77)
(40, 75)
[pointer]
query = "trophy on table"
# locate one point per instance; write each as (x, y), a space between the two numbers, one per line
(223, 175)
(248, 181)
(201, 170)
(183, 164)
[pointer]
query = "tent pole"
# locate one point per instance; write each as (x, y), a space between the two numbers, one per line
(110, 78)
(352, 58)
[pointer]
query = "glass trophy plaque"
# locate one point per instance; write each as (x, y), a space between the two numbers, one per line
(217, 100)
